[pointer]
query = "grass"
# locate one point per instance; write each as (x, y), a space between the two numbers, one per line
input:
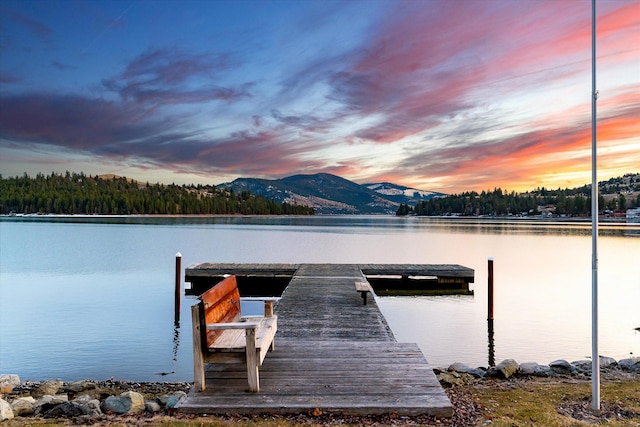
(548, 403)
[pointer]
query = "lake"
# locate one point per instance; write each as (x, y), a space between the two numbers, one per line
(88, 297)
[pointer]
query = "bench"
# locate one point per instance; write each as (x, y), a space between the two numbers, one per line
(222, 335)
(364, 288)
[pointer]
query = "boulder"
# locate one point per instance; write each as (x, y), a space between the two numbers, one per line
(631, 364)
(48, 402)
(6, 413)
(449, 379)
(175, 398)
(466, 369)
(562, 367)
(151, 406)
(82, 385)
(170, 400)
(607, 362)
(93, 404)
(504, 369)
(582, 365)
(129, 402)
(50, 387)
(8, 382)
(534, 369)
(68, 410)
(23, 406)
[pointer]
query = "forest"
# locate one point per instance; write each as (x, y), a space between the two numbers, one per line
(567, 202)
(73, 193)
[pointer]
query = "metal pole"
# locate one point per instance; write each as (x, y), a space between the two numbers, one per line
(178, 287)
(595, 357)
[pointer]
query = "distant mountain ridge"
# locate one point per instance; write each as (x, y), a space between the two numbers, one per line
(331, 194)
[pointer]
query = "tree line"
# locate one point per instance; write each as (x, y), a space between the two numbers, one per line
(73, 193)
(570, 202)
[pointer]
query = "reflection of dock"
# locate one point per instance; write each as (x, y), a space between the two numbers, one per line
(331, 352)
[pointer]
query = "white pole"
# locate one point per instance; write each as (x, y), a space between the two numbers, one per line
(595, 357)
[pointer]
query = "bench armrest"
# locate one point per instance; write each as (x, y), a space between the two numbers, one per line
(232, 325)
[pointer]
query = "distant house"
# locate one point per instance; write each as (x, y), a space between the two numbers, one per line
(633, 215)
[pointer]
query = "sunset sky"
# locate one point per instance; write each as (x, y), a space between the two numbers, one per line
(443, 95)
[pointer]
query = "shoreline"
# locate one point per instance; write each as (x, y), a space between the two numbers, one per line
(475, 401)
(533, 219)
(95, 400)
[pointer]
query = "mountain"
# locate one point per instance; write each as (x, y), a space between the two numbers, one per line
(331, 194)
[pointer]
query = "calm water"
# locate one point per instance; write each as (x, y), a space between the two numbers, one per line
(87, 298)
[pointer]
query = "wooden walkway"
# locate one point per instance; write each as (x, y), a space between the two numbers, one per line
(332, 353)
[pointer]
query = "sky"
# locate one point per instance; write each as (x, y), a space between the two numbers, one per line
(441, 95)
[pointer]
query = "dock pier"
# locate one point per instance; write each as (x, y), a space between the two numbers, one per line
(332, 353)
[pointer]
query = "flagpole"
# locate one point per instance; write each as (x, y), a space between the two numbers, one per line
(595, 357)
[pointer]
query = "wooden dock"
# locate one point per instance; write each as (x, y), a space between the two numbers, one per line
(331, 353)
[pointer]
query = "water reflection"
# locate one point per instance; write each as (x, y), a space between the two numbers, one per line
(362, 223)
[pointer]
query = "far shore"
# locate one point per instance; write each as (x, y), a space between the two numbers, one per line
(551, 219)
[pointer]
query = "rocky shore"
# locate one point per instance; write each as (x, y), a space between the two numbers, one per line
(91, 402)
(86, 399)
(459, 373)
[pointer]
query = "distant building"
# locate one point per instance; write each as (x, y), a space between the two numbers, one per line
(633, 215)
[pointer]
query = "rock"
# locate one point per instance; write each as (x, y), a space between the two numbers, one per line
(170, 400)
(453, 378)
(82, 385)
(607, 362)
(50, 387)
(8, 382)
(534, 369)
(465, 369)
(151, 406)
(6, 413)
(631, 364)
(23, 406)
(504, 369)
(561, 366)
(175, 398)
(47, 402)
(93, 404)
(129, 402)
(68, 410)
(582, 365)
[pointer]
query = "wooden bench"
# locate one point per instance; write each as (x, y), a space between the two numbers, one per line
(364, 288)
(222, 335)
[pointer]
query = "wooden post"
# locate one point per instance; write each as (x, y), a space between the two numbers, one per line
(490, 290)
(252, 360)
(268, 308)
(178, 288)
(198, 358)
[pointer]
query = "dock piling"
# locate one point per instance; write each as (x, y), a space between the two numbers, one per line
(178, 288)
(490, 290)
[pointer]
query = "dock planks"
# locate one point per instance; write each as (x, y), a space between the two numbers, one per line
(332, 353)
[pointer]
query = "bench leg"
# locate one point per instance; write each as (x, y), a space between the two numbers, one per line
(364, 297)
(198, 360)
(252, 361)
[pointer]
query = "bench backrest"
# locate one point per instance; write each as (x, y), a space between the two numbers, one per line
(219, 304)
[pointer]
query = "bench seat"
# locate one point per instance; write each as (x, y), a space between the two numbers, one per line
(364, 288)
